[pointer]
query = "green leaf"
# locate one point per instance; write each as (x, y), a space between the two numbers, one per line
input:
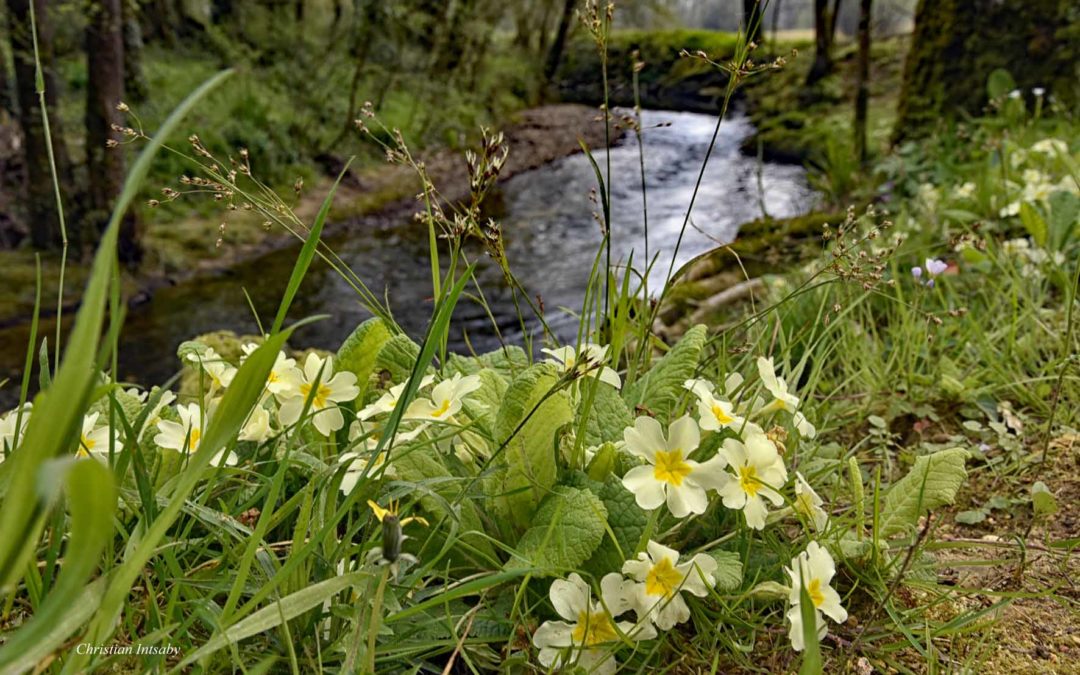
(307, 253)
(1034, 224)
(396, 358)
(508, 362)
(931, 483)
(971, 517)
(1064, 218)
(527, 427)
(729, 571)
(608, 417)
(274, 614)
(483, 405)
(999, 83)
(360, 350)
(811, 661)
(1043, 501)
(91, 496)
(626, 522)
(660, 389)
(566, 530)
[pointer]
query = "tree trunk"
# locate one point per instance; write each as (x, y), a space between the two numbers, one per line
(752, 19)
(862, 94)
(834, 17)
(822, 64)
(104, 90)
(958, 43)
(134, 80)
(555, 54)
(42, 216)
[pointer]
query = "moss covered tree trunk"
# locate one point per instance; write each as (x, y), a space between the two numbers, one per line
(958, 43)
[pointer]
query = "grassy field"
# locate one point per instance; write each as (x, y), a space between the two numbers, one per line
(868, 464)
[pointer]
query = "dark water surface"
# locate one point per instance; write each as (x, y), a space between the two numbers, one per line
(551, 240)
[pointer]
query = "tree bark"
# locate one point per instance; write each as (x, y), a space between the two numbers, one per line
(555, 54)
(822, 64)
(834, 17)
(42, 216)
(104, 90)
(134, 80)
(862, 94)
(957, 44)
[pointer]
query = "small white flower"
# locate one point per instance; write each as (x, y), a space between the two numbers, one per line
(219, 370)
(1051, 146)
(713, 413)
(759, 472)
(389, 400)
(589, 625)
(446, 399)
(257, 428)
(782, 398)
(185, 436)
(815, 568)
(333, 388)
(965, 191)
(1038, 91)
(935, 267)
(94, 440)
(8, 439)
(1015, 94)
(154, 416)
(661, 580)
(1011, 209)
(669, 476)
(588, 361)
(808, 503)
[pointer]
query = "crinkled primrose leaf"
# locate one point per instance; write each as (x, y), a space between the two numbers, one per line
(568, 527)
(359, 352)
(931, 483)
(659, 389)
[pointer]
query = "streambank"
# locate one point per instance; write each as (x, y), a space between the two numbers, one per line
(185, 250)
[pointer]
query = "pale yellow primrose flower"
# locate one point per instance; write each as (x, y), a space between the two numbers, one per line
(713, 413)
(389, 400)
(219, 370)
(588, 361)
(808, 503)
(589, 625)
(446, 399)
(283, 374)
(186, 436)
(782, 398)
(759, 472)
(95, 441)
(257, 427)
(661, 580)
(815, 568)
(333, 388)
(8, 441)
(356, 463)
(669, 476)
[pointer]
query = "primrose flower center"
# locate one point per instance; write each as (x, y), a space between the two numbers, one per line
(441, 410)
(670, 467)
(193, 439)
(748, 480)
(813, 589)
(721, 416)
(321, 395)
(593, 628)
(87, 443)
(663, 579)
(804, 504)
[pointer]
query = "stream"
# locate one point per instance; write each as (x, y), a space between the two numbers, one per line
(551, 238)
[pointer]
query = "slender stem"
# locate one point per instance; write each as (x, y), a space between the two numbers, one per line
(39, 78)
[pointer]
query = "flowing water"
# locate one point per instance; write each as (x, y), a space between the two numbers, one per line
(551, 238)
